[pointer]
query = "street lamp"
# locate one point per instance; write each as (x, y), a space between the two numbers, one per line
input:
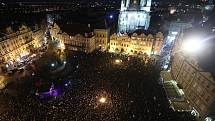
(102, 100)
(64, 62)
(118, 61)
(111, 16)
(52, 64)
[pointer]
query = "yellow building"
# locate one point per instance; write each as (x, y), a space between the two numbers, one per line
(136, 44)
(84, 43)
(197, 84)
(102, 38)
(38, 36)
(87, 40)
(14, 46)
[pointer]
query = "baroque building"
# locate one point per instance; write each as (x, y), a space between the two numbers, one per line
(136, 44)
(134, 14)
(16, 46)
(84, 43)
(86, 40)
(197, 84)
(102, 38)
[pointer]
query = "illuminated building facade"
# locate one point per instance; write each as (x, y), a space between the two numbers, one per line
(197, 84)
(38, 35)
(86, 41)
(102, 38)
(55, 33)
(136, 44)
(81, 43)
(16, 46)
(134, 14)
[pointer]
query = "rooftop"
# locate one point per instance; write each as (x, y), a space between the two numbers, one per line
(173, 91)
(76, 28)
(166, 76)
(180, 106)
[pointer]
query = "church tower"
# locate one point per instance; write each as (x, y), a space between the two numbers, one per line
(134, 14)
(145, 5)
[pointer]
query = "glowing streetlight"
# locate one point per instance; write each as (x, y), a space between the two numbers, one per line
(172, 11)
(64, 62)
(111, 16)
(118, 61)
(102, 100)
(52, 64)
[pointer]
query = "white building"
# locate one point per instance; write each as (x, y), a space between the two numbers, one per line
(134, 14)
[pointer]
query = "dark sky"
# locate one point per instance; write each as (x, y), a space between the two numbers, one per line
(173, 1)
(51, 0)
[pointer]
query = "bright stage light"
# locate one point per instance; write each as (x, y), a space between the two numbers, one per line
(192, 45)
(102, 100)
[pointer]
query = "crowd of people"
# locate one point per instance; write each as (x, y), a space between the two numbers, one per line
(129, 89)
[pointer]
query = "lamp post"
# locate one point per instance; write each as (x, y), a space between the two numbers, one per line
(118, 61)
(102, 100)
(53, 65)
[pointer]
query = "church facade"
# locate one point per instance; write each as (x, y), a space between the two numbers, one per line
(134, 14)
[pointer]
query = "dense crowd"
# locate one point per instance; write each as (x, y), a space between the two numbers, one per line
(130, 88)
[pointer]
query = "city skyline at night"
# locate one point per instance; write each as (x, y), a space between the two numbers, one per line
(107, 60)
